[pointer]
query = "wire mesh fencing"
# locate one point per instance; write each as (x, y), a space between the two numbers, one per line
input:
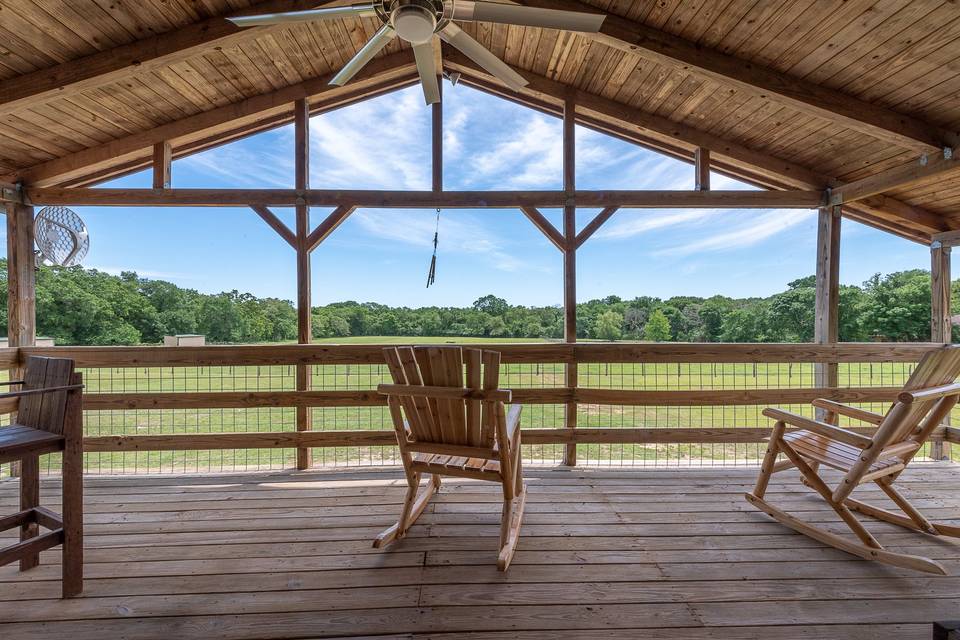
(718, 398)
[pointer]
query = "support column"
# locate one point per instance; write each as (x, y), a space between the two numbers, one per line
(437, 140)
(21, 285)
(701, 163)
(162, 165)
(570, 267)
(21, 277)
(826, 316)
(304, 320)
(941, 328)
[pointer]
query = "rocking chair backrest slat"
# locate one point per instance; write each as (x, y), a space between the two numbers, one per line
(936, 368)
(491, 378)
(45, 411)
(468, 422)
(474, 361)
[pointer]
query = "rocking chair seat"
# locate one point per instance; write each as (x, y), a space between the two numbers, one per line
(458, 462)
(834, 454)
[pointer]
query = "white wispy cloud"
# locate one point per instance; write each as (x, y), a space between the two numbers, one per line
(383, 143)
(750, 231)
(631, 223)
(460, 232)
(244, 164)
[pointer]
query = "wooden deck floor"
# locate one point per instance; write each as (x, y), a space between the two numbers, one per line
(604, 554)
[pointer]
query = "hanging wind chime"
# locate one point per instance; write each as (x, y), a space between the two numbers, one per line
(432, 274)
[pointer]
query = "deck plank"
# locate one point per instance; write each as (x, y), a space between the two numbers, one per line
(604, 554)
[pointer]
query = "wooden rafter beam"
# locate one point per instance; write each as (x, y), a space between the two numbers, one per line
(676, 53)
(900, 177)
(663, 135)
(141, 56)
(425, 199)
(545, 226)
(236, 130)
(393, 70)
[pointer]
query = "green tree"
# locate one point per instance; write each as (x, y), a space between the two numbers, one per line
(657, 328)
(609, 326)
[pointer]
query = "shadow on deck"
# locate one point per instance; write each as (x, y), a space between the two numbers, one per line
(604, 554)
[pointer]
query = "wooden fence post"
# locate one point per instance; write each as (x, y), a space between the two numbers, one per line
(304, 314)
(570, 267)
(941, 327)
(21, 284)
(826, 315)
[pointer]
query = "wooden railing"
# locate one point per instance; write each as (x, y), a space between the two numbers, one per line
(770, 356)
(788, 366)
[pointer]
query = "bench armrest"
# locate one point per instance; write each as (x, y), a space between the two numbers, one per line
(850, 412)
(33, 392)
(821, 428)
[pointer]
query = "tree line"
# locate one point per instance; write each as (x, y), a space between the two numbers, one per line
(90, 307)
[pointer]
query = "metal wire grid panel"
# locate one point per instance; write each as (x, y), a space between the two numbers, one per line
(706, 377)
(188, 421)
(626, 376)
(352, 377)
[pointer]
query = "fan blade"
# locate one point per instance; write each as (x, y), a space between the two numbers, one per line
(459, 39)
(427, 68)
(527, 16)
(379, 40)
(361, 10)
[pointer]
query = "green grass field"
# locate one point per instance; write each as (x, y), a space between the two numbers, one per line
(686, 376)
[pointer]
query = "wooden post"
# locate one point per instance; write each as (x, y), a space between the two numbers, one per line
(437, 141)
(301, 150)
(826, 316)
(21, 285)
(941, 328)
(162, 165)
(570, 266)
(701, 163)
(21, 277)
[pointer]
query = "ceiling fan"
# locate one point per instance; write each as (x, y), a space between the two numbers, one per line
(418, 21)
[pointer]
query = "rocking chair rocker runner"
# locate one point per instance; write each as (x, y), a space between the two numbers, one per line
(927, 398)
(454, 429)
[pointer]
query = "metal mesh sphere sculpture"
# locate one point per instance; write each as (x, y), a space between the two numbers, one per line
(61, 236)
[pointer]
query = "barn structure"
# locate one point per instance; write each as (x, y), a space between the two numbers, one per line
(845, 106)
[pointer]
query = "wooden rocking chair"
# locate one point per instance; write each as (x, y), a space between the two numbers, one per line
(926, 399)
(454, 429)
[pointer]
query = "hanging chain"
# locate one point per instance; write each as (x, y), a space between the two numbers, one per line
(432, 274)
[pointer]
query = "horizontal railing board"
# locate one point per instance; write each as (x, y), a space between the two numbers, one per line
(721, 397)
(513, 353)
(252, 399)
(270, 355)
(549, 395)
(9, 357)
(293, 439)
(952, 434)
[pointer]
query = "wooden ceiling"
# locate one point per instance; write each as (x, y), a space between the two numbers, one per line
(787, 94)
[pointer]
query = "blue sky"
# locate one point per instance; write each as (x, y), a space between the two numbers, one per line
(383, 255)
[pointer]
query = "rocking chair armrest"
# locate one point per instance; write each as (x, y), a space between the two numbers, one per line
(930, 393)
(848, 411)
(821, 428)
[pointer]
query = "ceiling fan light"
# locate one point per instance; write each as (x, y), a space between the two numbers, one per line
(414, 24)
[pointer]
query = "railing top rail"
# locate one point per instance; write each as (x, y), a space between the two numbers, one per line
(291, 354)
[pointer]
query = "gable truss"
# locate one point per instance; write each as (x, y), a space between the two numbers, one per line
(262, 112)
